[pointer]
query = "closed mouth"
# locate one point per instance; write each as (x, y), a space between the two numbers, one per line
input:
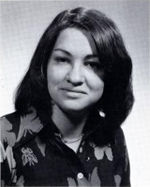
(74, 91)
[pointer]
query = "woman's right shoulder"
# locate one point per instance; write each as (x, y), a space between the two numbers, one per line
(17, 129)
(9, 127)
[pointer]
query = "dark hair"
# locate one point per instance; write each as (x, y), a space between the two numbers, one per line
(117, 99)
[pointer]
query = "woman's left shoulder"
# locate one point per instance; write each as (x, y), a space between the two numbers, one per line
(119, 146)
(119, 137)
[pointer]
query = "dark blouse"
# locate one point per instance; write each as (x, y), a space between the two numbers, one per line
(31, 156)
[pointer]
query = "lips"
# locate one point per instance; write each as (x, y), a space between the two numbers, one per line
(74, 90)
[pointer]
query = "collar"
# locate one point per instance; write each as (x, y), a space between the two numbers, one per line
(30, 126)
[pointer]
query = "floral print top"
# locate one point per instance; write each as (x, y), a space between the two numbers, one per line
(31, 157)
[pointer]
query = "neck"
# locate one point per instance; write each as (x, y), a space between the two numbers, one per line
(70, 125)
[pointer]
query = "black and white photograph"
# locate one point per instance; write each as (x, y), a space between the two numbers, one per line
(74, 93)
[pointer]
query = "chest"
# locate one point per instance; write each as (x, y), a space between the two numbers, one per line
(58, 165)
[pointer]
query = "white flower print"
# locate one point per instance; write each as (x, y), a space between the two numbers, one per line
(28, 156)
(2, 153)
(117, 180)
(10, 157)
(29, 124)
(94, 178)
(71, 182)
(7, 134)
(100, 151)
(20, 182)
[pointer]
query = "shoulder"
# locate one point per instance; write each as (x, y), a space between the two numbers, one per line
(16, 129)
(119, 143)
(119, 146)
(119, 136)
(9, 126)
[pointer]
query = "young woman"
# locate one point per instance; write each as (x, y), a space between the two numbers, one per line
(70, 106)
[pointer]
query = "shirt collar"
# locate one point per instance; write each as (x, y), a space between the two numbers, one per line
(31, 126)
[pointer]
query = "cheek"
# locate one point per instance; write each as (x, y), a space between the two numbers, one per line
(55, 75)
(95, 84)
(52, 80)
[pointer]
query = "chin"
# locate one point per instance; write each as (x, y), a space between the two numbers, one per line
(74, 108)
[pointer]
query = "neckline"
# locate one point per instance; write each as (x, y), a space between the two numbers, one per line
(72, 140)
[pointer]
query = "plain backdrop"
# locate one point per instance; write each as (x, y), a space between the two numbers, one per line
(23, 22)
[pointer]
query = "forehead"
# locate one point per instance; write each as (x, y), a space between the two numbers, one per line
(75, 41)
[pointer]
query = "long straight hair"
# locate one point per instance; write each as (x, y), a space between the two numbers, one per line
(117, 99)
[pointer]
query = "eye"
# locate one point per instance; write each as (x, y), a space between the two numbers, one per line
(61, 59)
(94, 65)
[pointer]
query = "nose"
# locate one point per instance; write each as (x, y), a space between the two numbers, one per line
(75, 75)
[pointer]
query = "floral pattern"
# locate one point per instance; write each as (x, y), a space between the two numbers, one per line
(29, 160)
(94, 178)
(6, 132)
(29, 124)
(20, 181)
(99, 153)
(117, 180)
(28, 156)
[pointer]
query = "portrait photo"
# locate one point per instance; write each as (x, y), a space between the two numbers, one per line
(75, 93)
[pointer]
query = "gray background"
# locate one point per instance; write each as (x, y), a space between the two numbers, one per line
(23, 22)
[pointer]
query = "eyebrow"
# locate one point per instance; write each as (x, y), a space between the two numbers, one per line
(62, 50)
(69, 54)
(91, 56)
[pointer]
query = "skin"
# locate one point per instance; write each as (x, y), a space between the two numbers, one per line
(74, 81)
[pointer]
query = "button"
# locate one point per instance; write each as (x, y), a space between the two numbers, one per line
(80, 175)
(102, 114)
(88, 158)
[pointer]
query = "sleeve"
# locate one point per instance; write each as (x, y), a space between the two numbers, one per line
(7, 140)
(5, 170)
(122, 160)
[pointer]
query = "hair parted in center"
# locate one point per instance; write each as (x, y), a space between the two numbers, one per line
(117, 99)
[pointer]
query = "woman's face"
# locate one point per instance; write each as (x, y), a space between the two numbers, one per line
(73, 73)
